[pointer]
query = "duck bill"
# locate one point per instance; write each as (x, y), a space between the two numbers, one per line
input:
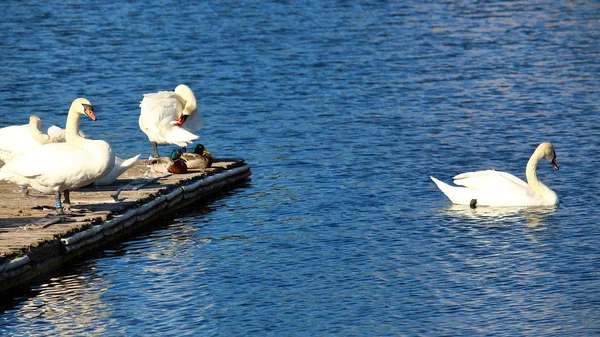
(554, 164)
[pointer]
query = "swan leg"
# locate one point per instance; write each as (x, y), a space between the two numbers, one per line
(57, 202)
(67, 203)
(473, 203)
(155, 147)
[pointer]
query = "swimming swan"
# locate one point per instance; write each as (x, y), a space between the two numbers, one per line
(494, 188)
(59, 167)
(170, 117)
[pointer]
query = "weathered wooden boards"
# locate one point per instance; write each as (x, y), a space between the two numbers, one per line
(33, 239)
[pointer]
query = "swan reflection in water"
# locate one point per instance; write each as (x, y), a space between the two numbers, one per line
(533, 216)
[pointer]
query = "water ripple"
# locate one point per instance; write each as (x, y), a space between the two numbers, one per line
(343, 110)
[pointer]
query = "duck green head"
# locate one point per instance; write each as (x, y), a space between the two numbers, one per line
(198, 149)
(176, 154)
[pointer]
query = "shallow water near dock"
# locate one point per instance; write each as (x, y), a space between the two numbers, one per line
(343, 110)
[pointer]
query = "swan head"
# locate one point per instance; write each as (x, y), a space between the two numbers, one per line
(188, 96)
(83, 107)
(35, 122)
(548, 152)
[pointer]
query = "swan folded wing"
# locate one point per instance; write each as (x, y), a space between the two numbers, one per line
(5, 156)
(51, 164)
(16, 139)
(57, 134)
(492, 181)
(179, 136)
(150, 102)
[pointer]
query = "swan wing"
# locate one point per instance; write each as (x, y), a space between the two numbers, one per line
(121, 165)
(54, 158)
(494, 188)
(50, 167)
(158, 113)
(56, 134)
(16, 139)
(163, 105)
(489, 180)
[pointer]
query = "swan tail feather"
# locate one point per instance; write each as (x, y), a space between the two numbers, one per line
(129, 162)
(458, 195)
(180, 136)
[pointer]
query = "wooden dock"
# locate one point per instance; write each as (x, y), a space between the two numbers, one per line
(34, 240)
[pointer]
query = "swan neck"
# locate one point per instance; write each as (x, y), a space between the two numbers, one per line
(36, 133)
(536, 186)
(72, 127)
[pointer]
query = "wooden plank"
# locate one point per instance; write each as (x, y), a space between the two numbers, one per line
(29, 226)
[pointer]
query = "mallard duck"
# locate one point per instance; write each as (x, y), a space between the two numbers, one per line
(172, 164)
(60, 167)
(495, 188)
(199, 158)
(170, 117)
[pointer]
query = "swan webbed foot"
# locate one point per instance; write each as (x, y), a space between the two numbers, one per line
(473, 203)
(66, 208)
(66, 204)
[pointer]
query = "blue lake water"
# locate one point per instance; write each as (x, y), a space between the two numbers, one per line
(344, 110)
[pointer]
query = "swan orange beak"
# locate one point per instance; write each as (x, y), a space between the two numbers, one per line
(554, 164)
(89, 111)
(182, 120)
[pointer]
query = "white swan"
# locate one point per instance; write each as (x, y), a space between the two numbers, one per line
(54, 134)
(15, 139)
(59, 167)
(170, 117)
(121, 165)
(494, 188)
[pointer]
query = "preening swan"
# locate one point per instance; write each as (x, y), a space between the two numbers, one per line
(54, 134)
(495, 188)
(170, 117)
(59, 167)
(16, 139)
